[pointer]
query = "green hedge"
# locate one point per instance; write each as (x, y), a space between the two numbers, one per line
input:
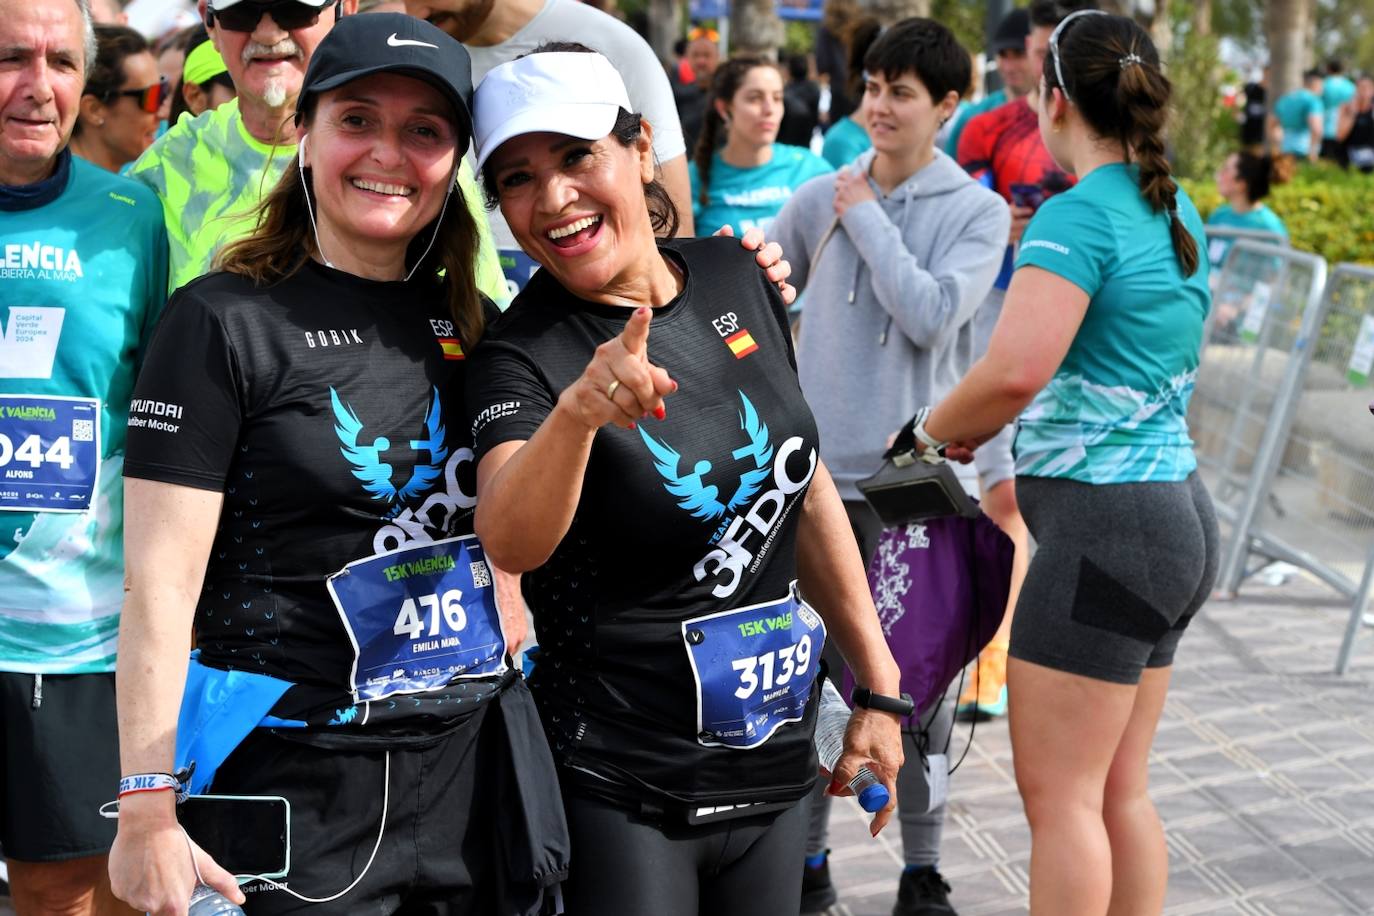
(1327, 210)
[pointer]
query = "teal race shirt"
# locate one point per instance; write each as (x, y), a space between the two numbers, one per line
(1115, 411)
(745, 198)
(83, 279)
(1259, 218)
(845, 141)
(1292, 112)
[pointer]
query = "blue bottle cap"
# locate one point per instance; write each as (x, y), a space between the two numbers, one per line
(874, 798)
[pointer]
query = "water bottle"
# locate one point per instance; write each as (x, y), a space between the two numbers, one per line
(830, 726)
(206, 901)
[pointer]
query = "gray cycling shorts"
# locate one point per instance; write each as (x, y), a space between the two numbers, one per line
(1119, 571)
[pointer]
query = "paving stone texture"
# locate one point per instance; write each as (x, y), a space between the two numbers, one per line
(1263, 772)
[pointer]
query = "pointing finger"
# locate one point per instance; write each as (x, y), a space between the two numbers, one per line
(635, 337)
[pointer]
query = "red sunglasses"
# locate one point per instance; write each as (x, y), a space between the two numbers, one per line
(149, 99)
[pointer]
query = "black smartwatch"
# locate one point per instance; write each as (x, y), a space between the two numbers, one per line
(899, 705)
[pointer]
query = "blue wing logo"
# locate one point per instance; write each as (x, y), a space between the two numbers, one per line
(376, 473)
(699, 498)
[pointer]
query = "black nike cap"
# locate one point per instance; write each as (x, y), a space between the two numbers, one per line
(360, 46)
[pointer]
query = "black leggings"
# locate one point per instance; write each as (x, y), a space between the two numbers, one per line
(625, 865)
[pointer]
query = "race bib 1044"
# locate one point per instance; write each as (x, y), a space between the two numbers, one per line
(49, 452)
(754, 669)
(418, 617)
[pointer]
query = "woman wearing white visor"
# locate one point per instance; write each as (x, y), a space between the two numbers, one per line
(684, 570)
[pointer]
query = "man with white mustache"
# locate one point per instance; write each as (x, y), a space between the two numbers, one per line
(212, 171)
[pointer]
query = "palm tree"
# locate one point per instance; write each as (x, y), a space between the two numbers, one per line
(890, 11)
(1285, 27)
(755, 28)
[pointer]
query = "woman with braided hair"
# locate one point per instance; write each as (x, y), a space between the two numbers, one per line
(1096, 351)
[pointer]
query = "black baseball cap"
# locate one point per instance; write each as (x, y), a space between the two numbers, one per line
(1011, 32)
(360, 46)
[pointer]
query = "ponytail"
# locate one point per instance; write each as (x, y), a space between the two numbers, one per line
(1114, 80)
(726, 81)
(1143, 94)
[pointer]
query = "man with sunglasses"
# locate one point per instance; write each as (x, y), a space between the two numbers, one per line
(211, 171)
(82, 278)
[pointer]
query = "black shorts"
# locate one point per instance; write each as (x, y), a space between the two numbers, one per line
(1119, 571)
(60, 763)
(626, 865)
(437, 852)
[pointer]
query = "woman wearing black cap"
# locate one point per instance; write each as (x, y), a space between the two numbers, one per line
(301, 487)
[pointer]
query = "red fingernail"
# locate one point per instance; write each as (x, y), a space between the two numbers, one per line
(836, 787)
(632, 426)
(661, 412)
(642, 310)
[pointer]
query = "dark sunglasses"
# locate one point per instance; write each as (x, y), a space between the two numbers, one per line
(149, 100)
(245, 16)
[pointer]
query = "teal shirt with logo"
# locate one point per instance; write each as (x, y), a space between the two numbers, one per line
(1259, 218)
(84, 278)
(1115, 411)
(745, 198)
(1292, 112)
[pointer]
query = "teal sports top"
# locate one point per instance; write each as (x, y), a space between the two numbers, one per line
(1292, 112)
(745, 198)
(1115, 411)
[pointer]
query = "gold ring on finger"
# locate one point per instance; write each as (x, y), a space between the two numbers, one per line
(610, 389)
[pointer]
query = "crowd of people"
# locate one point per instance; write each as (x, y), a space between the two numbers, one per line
(392, 426)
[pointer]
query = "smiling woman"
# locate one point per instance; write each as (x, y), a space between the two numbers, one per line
(654, 551)
(322, 481)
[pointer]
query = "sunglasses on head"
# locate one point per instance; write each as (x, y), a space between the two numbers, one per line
(1054, 44)
(245, 16)
(149, 99)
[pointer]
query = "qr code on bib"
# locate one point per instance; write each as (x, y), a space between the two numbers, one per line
(481, 575)
(83, 430)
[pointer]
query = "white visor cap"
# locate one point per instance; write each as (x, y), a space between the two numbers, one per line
(578, 94)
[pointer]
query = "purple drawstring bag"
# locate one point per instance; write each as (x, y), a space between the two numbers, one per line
(941, 588)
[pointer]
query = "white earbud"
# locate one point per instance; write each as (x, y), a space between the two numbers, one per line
(309, 208)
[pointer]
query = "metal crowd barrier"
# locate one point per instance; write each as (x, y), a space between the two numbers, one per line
(1292, 463)
(1221, 238)
(1264, 298)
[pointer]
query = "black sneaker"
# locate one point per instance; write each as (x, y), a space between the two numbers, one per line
(818, 894)
(923, 892)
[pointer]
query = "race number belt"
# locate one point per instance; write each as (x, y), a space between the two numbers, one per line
(754, 668)
(49, 452)
(418, 617)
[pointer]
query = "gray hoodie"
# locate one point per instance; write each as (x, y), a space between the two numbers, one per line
(890, 291)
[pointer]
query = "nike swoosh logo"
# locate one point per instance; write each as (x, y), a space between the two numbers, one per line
(403, 42)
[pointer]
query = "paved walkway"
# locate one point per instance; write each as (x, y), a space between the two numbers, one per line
(1263, 771)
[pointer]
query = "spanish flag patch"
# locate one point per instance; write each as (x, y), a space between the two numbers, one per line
(451, 347)
(741, 343)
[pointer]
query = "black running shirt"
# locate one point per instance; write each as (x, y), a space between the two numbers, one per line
(328, 410)
(677, 520)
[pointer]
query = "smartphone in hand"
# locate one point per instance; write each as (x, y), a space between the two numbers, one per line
(1027, 195)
